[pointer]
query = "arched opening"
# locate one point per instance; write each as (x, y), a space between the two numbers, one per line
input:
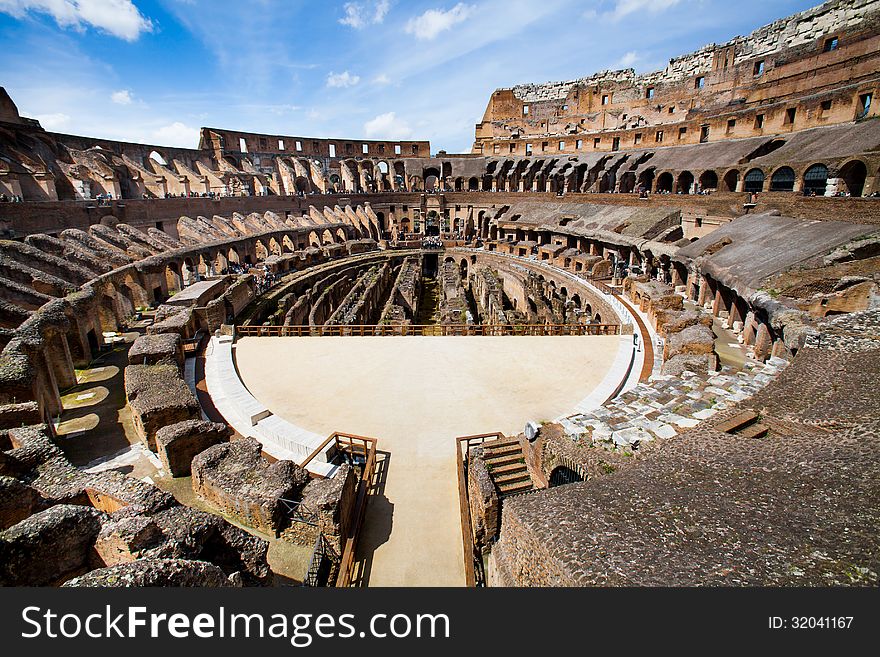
(157, 158)
(731, 180)
(473, 184)
(562, 475)
(709, 181)
(853, 175)
(314, 240)
(432, 224)
(327, 237)
(782, 180)
(261, 251)
(665, 182)
(459, 184)
(173, 279)
(627, 182)
(685, 182)
(646, 179)
(302, 185)
(341, 235)
(816, 180)
(754, 181)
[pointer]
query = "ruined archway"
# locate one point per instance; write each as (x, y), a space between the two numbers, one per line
(853, 175)
(782, 180)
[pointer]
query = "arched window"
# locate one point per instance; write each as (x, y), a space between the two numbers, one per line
(782, 180)
(816, 180)
(754, 181)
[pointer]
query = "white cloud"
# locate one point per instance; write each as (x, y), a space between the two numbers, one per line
(381, 79)
(627, 7)
(53, 122)
(628, 60)
(343, 80)
(177, 134)
(117, 17)
(122, 97)
(358, 14)
(387, 126)
(434, 21)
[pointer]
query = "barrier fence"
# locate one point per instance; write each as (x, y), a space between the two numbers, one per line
(427, 329)
(359, 451)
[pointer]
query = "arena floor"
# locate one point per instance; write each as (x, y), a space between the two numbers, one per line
(416, 394)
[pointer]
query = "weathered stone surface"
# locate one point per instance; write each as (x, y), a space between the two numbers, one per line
(158, 397)
(177, 444)
(18, 415)
(192, 534)
(154, 572)
(155, 349)
(237, 479)
(696, 339)
(485, 507)
(697, 363)
(332, 500)
(49, 546)
(17, 501)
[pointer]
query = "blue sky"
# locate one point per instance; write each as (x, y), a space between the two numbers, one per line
(154, 71)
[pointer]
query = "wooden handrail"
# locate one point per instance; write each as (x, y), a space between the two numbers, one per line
(467, 539)
(428, 330)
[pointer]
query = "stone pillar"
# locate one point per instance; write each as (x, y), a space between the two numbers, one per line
(763, 342)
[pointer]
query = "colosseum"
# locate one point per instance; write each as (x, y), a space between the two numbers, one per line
(632, 338)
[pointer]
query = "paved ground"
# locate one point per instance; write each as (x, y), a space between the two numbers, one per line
(416, 394)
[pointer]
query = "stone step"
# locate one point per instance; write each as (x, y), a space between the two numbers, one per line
(511, 477)
(500, 461)
(506, 469)
(754, 431)
(500, 442)
(490, 452)
(517, 487)
(737, 422)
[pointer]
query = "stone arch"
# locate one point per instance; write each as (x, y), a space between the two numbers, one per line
(459, 184)
(189, 272)
(782, 180)
(708, 180)
(340, 233)
(232, 255)
(431, 177)
(260, 250)
(327, 237)
(665, 181)
(627, 182)
(731, 180)
(221, 264)
(274, 247)
(853, 175)
(158, 158)
(685, 182)
(815, 180)
(287, 244)
(173, 277)
(646, 179)
(473, 184)
(754, 181)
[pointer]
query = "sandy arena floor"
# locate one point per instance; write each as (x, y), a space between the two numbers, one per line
(416, 394)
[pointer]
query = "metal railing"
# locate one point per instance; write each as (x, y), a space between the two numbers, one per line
(359, 451)
(428, 330)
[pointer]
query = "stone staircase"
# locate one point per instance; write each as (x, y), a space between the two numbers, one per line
(666, 406)
(507, 466)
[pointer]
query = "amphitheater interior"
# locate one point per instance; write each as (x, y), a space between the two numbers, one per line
(707, 234)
